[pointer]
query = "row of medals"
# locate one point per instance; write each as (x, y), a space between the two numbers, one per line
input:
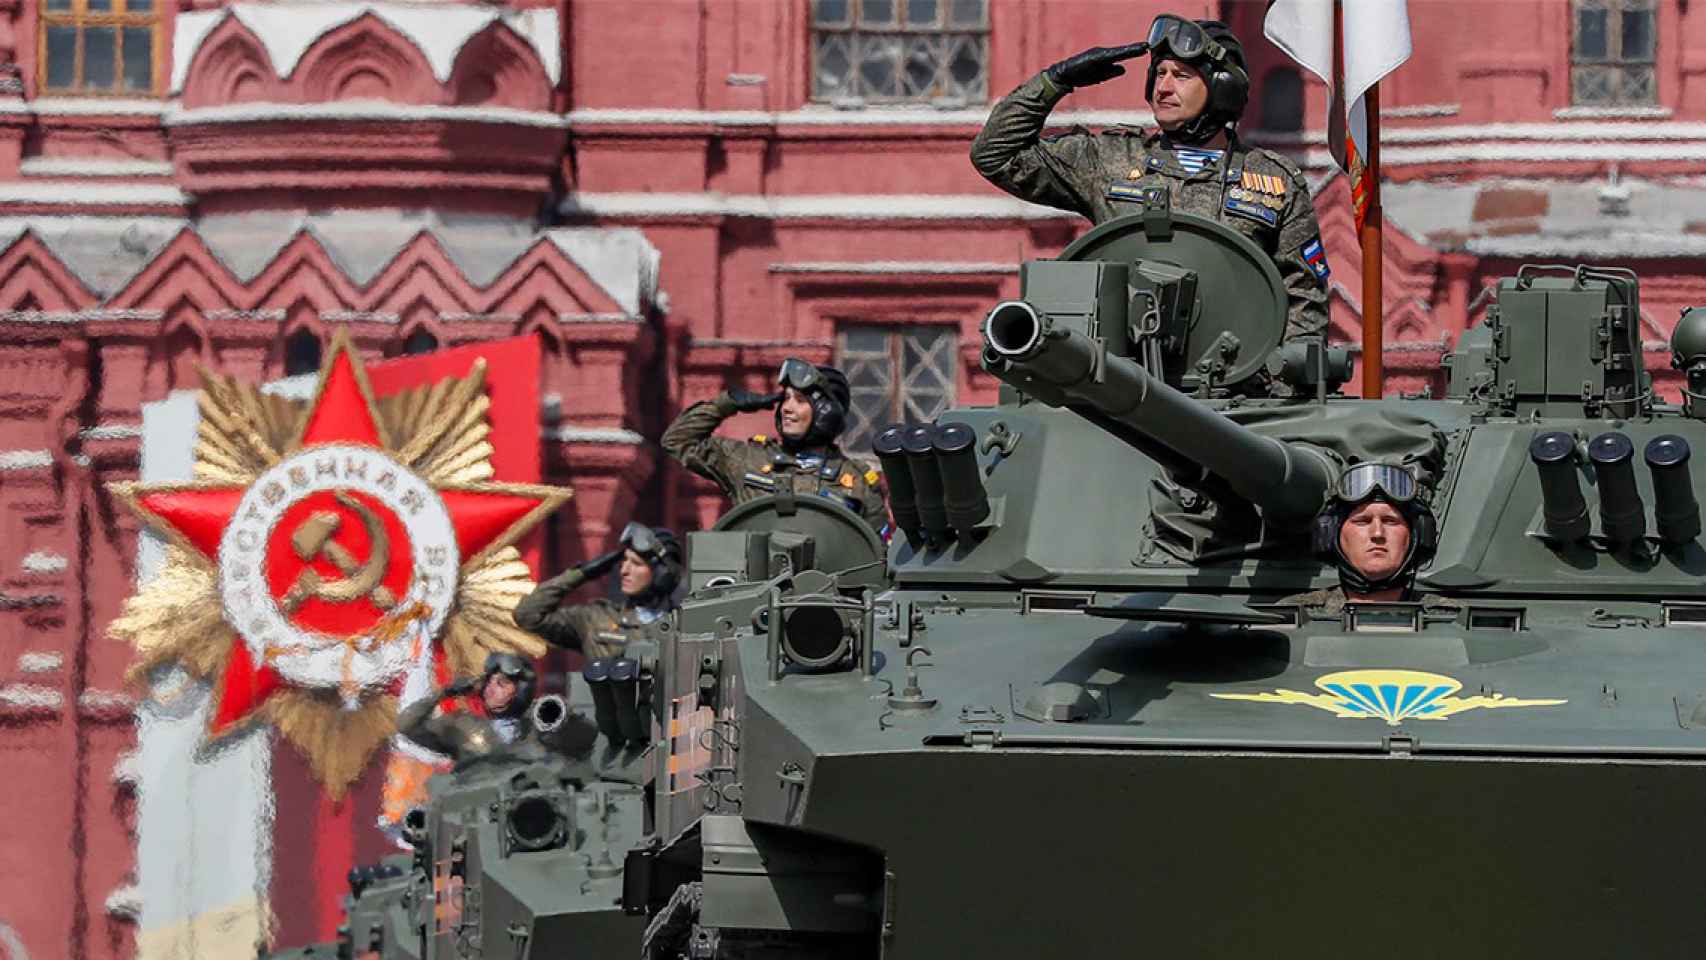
(1256, 196)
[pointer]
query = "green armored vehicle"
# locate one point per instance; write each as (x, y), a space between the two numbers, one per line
(520, 853)
(1083, 722)
(517, 854)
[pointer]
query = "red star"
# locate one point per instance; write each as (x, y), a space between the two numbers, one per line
(486, 516)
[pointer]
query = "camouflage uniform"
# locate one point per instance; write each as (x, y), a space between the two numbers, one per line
(1331, 602)
(598, 629)
(746, 470)
(1259, 193)
(464, 736)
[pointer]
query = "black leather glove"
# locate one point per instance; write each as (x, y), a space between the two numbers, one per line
(1095, 65)
(600, 565)
(746, 401)
(460, 688)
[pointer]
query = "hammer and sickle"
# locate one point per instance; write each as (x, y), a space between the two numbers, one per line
(313, 538)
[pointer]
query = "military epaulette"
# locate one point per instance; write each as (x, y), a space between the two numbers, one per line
(1292, 170)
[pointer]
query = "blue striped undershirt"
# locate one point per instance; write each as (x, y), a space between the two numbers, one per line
(1196, 160)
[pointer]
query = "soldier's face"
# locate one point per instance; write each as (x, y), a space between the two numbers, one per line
(498, 693)
(1181, 94)
(796, 413)
(636, 574)
(1375, 538)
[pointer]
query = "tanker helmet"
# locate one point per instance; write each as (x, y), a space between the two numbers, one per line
(1688, 340)
(829, 394)
(662, 552)
(1211, 47)
(1359, 484)
(518, 670)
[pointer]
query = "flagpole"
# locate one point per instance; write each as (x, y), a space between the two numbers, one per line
(1373, 332)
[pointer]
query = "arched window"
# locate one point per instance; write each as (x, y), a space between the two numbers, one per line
(1282, 100)
(301, 353)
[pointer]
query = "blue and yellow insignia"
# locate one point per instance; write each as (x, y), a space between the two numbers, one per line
(1125, 191)
(1391, 695)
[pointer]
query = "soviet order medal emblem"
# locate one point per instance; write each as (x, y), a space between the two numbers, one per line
(325, 553)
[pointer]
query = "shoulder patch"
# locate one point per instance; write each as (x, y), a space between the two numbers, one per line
(1315, 257)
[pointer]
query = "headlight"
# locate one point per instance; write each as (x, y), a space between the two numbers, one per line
(537, 821)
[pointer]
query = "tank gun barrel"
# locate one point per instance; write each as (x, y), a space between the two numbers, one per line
(1028, 350)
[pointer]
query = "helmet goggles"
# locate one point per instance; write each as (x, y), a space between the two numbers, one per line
(1175, 36)
(799, 374)
(1365, 481)
(508, 664)
(639, 538)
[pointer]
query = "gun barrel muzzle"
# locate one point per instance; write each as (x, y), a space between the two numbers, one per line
(1622, 516)
(548, 713)
(966, 502)
(903, 498)
(919, 444)
(1564, 510)
(1676, 513)
(1014, 329)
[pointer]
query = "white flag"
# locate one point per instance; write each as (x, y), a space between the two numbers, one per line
(1376, 41)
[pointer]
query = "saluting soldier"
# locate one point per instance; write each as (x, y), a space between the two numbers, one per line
(811, 411)
(1197, 88)
(505, 687)
(649, 564)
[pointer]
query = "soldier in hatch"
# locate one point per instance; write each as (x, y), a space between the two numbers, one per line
(1378, 530)
(648, 563)
(803, 458)
(1197, 88)
(505, 687)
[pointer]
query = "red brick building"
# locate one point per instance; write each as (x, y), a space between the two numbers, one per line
(672, 195)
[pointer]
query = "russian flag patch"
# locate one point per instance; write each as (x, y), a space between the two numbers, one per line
(1315, 256)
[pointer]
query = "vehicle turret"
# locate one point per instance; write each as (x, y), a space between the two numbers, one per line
(1035, 351)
